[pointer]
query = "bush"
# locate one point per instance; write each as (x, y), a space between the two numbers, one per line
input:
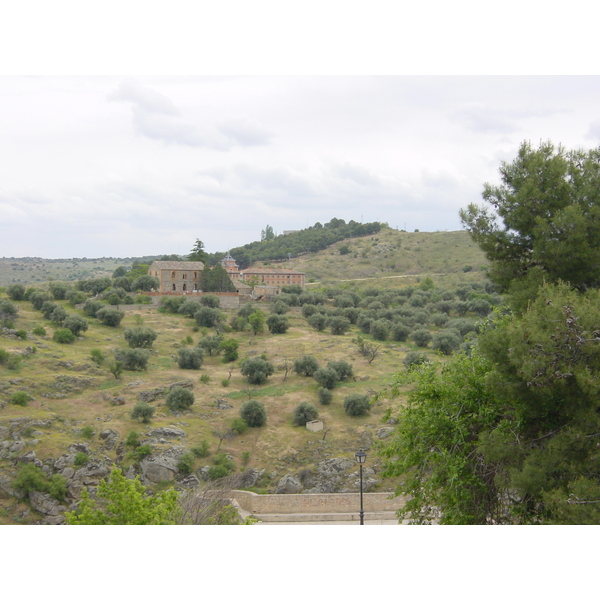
(380, 329)
(74, 297)
(81, 458)
(64, 336)
(39, 330)
(221, 468)
(32, 479)
(208, 317)
(254, 413)
(185, 464)
(239, 426)
(279, 308)
(307, 365)
(230, 350)
(133, 439)
(37, 299)
(399, 332)
(211, 344)
(20, 398)
(58, 315)
(21, 334)
(325, 396)
(190, 359)
(189, 308)
(210, 300)
(97, 356)
(87, 432)
(277, 324)
(143, 412)
(447, 341)
(303, 413)
(356, 405)
(421, 337)
(16, 292)
(141, 452)
(140, 337)
(75, 324)
(326, 377)
(179, 398)
(132, 359)
(317, 321)
(257, 369)
(338, 325)
(202, 450)
(110, 316)
(414, 359)
(342, 368)
(91, 307)
(48, 308)
(205, 378)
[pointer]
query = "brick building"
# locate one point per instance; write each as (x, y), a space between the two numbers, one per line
(177, 276)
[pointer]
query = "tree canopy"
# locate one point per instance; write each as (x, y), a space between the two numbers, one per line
(543, 220)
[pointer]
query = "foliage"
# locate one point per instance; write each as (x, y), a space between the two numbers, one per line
(230, 350)
(145, 283)
(211, 344)
(447, 341)
(143, 412)
(380, 329)
(202, 450)
(415, 359)
(32, 479)
(185, 464)
(179, 398)
(133, 439)
(75, 324)
(545, 218)
(132, 359)
(421, 337)
(277, 323)
(81, 458)
(139, 337)
(307, 365)
(338, 325)
(267, 234)
(16, 291)
(239, 426)
(39, 330)
(366, 349)
(326, 377)
(303, 413)
(208, 317)
(325, 396)
(87, 431)
(8, 312)
(216, 280)
(190, 358)
(257, 369)
(20, 398)
(123, 501)
(91, 307)
(356, 405)
(97, 356)
(254, 413)
(110, 316)
(38, 298)
(198, 253)
(342, 368)
(64, 336)
(222, 467)
(257, 321)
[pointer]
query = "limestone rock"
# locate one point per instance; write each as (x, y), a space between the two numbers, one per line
(288, 484)
(384, 432)
(45, 504)
(166, 432)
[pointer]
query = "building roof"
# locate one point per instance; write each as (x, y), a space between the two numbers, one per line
(261, 271)
(177, 265)
(240, 285)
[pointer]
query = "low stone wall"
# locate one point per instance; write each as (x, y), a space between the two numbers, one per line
(315, 503)
(228, 300)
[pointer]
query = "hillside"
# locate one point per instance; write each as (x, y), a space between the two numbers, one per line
(80, 412)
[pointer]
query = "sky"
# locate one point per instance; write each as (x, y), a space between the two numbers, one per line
(136, 165)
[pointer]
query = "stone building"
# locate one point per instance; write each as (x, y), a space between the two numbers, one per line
(177, 276)
(274, 277)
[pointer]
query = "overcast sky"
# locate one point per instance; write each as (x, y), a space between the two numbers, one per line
(130, 166)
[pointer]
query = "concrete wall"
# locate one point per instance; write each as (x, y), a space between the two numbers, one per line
(315, 503)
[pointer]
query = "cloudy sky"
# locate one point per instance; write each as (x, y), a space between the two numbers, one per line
(136, 165)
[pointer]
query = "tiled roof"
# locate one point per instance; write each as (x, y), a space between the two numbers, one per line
(177, 265)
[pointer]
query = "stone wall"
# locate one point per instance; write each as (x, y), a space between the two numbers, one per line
(315, 503)
(228, 300)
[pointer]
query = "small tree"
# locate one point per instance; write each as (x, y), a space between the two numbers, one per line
(190, 359)
(254, 413)
(210, 300)
(325, 396)
(447, 341)
(342, 368)
(307, 365)
(64, 336)
(230, 350)
(110, 316)
(257, 321)
(356, 405)
(122, 501)
(140, 337)
(338, 325)
(132, 359)
(20, 398)
(16, 291)
(326, 377)
(75, 324)
(143, 412)
(145, 283)
(91, 307)
(208, 317)
(421, 337)
(277, 323)
(211, 344)
(257, 369)
(303, 413)
(179, 398)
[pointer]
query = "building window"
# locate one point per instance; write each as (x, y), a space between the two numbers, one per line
(184, 287)
(174, 288)
(173, 275)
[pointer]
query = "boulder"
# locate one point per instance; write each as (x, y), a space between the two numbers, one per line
(384, 432)
(46, 504)
(288, 484)
(166, 432)
(159, 468)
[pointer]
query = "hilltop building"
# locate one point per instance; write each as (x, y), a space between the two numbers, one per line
(177, 276)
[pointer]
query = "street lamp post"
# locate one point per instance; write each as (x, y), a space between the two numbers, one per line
(360, 459)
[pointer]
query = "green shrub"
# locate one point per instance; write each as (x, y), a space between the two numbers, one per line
(32, 479)
(20, 398)
(277, 324)
(64, 336)
(208, 317)
(139, 337)
(75, 324)
(210, 300)
(58, 315)
(221, 468)
(225, 382)
(325, 396)
(342, 368)
(254, 413)
(230, 350)
(133, 439)
(97, 356)
(143, 412)
(141, 452)
(380, 329)
(37, 299)
(91, 307)
(205, 378)
(245, 457)
(185, 464)
(447, 341)
(421, 337)
(21, 334)
(257, 370)
(81, 458)
(4, 356)
(132, 359)
(110, 316)
(211, 344)
(179, 398)
(13, 361)
(39, 330)
(307, 365)
(16, 291)
(239, 426)
(326, 377)
(141, 299)
(202, 450)
(317, 321)
(87, 432)
(356, 405)
(338, 325)
(303, 413)
(190, 358)
(414, 359)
